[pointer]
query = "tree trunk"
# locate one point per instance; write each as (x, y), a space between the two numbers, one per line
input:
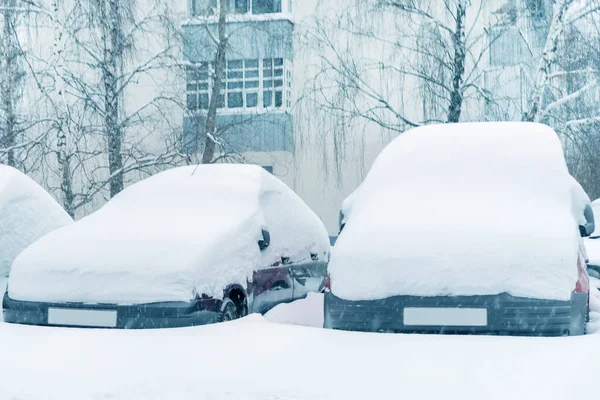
(557, 27)
(62, 111)
(458, 72)
(208, 154)
(11, 77)
(113, 59)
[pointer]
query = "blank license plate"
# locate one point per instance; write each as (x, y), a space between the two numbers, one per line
(445, 316)
(77, 317)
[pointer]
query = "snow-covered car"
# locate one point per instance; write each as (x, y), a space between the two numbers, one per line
(188, 246)
(27, 212)
(463, 228)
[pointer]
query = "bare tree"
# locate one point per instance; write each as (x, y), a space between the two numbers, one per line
(565, 14)
(433, 50)
(12, 77)
(208, 153)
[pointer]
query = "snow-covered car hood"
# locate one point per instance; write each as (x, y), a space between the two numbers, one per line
(177, 234)
(463, 209)
(27, 212)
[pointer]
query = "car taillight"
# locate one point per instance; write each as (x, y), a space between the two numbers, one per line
(328, 283)
(583, 280)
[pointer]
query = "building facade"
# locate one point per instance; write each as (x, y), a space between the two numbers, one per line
(254, 116)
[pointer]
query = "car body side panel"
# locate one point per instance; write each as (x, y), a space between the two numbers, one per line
(271, 286)
(308, 277)
(506, 314)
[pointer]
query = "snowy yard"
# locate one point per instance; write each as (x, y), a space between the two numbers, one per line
(255, 358)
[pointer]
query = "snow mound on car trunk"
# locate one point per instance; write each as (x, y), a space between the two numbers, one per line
(27, 212)
(463, 209)
(186, 231)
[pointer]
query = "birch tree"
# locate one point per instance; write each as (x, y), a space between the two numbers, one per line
(423, 51)
(565, 14)
(12, 77)
(220, 42)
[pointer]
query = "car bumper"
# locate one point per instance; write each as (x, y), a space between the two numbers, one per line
(140, 316)
(505, 315)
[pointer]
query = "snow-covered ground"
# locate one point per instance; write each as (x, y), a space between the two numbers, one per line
(259, 359)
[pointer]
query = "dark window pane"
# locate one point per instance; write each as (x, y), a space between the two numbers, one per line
(192, 101)
(268, 63)
(252, 74)
(203, 7)
(241, 6)
(235, 100)
(251, 63)
(235, 74)
(203, 101)
(278, 99)
(223, 85)
(278, 62)
(221, 102)
(203, 86)
(235, 85)
(191, 87)
(267, 73)
(203, 72)
(251, 84)
(278, 83)
(268, 84)
(268, 168)
(266, 6)
(267, 98)
(251, 100)
(191, 74)
(238, 64)
(279, 72)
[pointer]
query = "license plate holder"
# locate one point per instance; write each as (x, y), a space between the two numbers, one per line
(82, 317)
(445, 316)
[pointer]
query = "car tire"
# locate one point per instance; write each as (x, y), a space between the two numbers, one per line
(228, 311)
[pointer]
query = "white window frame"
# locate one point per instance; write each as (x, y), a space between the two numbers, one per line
(247, 76)
(285, 7)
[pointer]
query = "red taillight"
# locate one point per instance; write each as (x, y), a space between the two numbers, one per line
(328, 283)
(583, 280)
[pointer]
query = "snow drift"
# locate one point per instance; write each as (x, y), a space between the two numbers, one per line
(186, 231)
(463, 209)
(27, 212)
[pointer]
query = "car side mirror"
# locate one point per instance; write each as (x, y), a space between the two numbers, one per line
(265, 241)
(590, 225)
(587, 229)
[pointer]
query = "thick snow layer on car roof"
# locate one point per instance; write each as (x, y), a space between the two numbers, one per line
(187, 231)
(27, 212)
(462, 209)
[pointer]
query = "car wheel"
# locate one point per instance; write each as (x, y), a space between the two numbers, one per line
(228, 311)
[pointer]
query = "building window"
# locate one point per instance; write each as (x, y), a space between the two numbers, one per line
(239, 6)
(197, 86)
(250, 84)
(268, 168)
(273, 82)
(242, 83)
(537, 9)
(266, 6)
(203, 8)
